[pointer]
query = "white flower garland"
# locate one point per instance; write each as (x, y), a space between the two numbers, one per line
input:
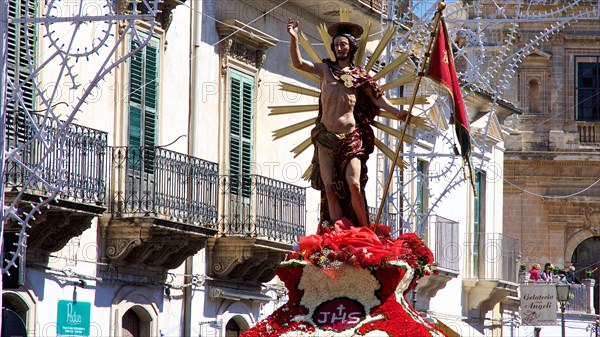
(351, 282)
(406, 279)
(354, 283)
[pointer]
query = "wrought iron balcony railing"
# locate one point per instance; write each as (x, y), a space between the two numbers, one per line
(493, 256)
(71, 160)
(377, 5)
(581, 299)
(262, 207)
(152, 181)
(391, 220)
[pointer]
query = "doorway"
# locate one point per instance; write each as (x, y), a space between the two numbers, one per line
(586, 257)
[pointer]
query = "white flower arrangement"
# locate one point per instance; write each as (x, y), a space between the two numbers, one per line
(345, 285)
(406, 279)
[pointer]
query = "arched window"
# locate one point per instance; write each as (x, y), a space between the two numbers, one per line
(533, 96)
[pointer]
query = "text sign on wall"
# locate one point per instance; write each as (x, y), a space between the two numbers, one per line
(538, 304)
(73, 318)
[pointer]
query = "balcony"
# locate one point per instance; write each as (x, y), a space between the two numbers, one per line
(492, 275)
(391, 220)
(443, 240)
(358, 10)
(581, 298)
(69, 162)
(163, 206)
(165, 9)
(260, 221)
(589, 132)
(379, 6)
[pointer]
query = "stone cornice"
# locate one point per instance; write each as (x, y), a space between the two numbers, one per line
(243, 43)
(546, 161)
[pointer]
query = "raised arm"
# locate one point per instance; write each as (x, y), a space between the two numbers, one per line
(383, 103)
(297, 60)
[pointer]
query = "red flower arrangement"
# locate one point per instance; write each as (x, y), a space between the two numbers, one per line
(363, 248)
(393, 266)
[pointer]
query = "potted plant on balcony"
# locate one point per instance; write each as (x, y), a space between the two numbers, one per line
(523, 274)
(589, 272)
(555, 270)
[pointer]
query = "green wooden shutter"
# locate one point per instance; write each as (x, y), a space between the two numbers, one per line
(21, 38)
(241, 114)
(143, 103)
(421, 187)
(478, 232)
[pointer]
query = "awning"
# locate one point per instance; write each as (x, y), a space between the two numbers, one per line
(238, 294)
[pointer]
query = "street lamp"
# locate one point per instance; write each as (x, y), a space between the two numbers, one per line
(562, 293)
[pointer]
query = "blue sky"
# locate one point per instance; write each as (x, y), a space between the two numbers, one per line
(424, 5)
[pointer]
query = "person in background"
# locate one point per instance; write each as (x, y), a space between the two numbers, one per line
(534, 273)
(571, 277)
(546, 274)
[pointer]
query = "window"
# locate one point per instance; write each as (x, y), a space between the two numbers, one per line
(421, 197)
(143, 103)
(533, 96)
(421, 187)
(478, 221)
(241, 88)
(587, 88)
(21, 44)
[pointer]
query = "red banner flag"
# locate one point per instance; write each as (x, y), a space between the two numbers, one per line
(441, 69)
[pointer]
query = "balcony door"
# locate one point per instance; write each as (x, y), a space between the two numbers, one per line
(143, 103)
(142, 128)
(22, 44)
(241, 110)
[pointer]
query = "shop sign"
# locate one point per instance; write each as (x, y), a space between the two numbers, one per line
(538, 304)
(73, 318)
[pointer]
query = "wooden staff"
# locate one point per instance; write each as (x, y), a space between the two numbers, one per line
(437, 18)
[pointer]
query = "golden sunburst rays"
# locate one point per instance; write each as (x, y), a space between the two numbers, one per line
(396, 63)
(302, 147)
(296, 89)
(387, 36)
(308, 47)
(362, 44)
(404, 80)
(401, 61)
(392, 131)
(293, 128)
(291, 109)
(305, 74)
(389, 153)
(419, 100)
(325, 39)
(344, 15)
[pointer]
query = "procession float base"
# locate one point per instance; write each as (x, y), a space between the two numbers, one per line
(349, 281)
